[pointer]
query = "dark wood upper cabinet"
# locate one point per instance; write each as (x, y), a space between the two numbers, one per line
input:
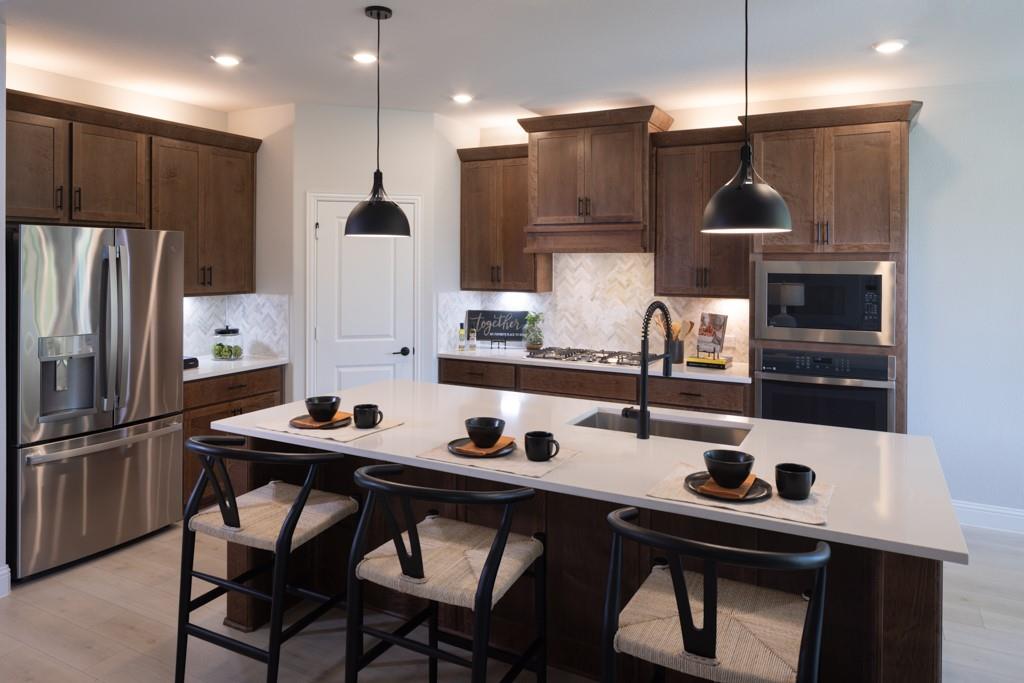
(493, 215)
(678, 212)
(37, 167)
(557, 176)
(517, 270)
(108, 175)
(176, 200)
(790, 161)
(589, 179)
(863, 188)
(614, 161)
(843, 173)
(479, 202)
(726, 257)
(207, 193)
(228, 203)
(688, 262)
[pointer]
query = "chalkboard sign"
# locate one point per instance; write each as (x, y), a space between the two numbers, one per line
(505, 326)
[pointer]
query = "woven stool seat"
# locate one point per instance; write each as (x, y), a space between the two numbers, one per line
(758, 635)
(262, 511)
(453, 556)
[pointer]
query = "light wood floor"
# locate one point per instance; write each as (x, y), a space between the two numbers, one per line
(112, 619)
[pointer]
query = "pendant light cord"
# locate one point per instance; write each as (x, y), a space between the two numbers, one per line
(747, 68)
(378, 93)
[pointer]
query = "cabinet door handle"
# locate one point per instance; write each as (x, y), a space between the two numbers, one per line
(211, 276)
(202, 275)
(78, 199)
(499, 273)
(59, 198)
(586, 204)
(828, 232)
(579, 206)
(696, 277)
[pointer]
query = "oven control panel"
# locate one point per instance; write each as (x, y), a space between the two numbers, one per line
(859, 366)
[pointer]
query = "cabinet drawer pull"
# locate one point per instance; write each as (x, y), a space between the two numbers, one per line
(236, 387)
(474, 373)
(690, 394)
(59, 198)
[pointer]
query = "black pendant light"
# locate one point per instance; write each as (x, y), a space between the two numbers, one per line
(377, 215)
(746, 204)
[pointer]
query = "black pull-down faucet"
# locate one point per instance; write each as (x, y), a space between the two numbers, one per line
(643, 414)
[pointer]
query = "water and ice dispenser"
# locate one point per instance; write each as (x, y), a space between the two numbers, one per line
(68, 375)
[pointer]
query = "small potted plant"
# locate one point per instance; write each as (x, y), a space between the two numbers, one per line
(533, 335)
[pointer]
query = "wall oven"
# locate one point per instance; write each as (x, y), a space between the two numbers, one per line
(837, 389)
(840, 302)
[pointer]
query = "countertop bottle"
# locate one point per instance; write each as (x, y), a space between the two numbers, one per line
(462, 337)
(472, 339)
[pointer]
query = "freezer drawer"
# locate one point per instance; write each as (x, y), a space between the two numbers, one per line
(85, 495)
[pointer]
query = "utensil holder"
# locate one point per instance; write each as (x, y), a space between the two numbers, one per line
(677, 351)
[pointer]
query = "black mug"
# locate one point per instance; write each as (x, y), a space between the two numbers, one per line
(367, 415)
(541, 446)
(794, 481)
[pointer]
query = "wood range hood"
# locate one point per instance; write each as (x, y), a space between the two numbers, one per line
(589, 180)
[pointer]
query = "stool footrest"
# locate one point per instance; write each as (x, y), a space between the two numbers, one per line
(416, 646)
(225, 585)
(227, 643)
(311, 616)
(383, 646)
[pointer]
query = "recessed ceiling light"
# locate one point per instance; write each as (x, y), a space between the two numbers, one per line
(889, 47)
(365, 57)
(462, 98)
(226, 60)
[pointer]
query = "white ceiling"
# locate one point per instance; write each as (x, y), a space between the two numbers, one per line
(516, 56)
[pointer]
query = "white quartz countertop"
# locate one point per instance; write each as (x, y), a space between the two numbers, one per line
(739, 373)
(890, 494)
(208, 367)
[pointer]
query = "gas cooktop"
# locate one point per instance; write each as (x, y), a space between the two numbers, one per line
(574, 355)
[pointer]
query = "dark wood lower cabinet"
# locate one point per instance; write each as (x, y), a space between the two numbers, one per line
(883, 611)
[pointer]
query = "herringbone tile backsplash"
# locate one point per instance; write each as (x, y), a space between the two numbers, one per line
(597, 301)
(261, 318)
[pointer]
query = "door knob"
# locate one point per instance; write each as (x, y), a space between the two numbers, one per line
(404, 351)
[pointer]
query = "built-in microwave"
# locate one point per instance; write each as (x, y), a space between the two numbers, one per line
(841, 302)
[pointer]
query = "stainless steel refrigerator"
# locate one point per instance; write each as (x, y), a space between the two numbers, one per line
(94, 334)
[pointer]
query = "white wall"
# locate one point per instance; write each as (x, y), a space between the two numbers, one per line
(5, 572)
(334, 152)
(99, 95)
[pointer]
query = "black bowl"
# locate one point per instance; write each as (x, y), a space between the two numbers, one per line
(728, 468)
(322, 408)
(484, 432)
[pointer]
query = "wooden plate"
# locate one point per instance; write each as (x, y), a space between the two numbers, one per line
(759, 490)
(455, 444)
(340, 419)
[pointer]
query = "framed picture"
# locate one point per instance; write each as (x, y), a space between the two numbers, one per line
(711, 333)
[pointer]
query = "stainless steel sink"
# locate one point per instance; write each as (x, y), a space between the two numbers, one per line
(731, 435)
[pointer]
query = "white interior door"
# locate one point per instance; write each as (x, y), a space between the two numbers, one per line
(363, 302)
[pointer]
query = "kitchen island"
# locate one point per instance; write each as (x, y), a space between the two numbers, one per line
(891, 521)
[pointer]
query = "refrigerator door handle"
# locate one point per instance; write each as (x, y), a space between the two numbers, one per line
(103, 446)
(113, 327)
(124, 267)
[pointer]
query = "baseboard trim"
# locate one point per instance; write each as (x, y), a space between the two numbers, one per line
(5, 580)
(989, 516)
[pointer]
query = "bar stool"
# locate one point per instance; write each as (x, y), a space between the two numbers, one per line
(443, 561)
(748, 633)
(278, 517)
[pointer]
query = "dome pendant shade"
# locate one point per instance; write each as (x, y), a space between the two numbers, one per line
(377, 215)
(746, 205)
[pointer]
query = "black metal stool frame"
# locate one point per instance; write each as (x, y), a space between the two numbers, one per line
(702, 641)
(381, 491)
(212, 451)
